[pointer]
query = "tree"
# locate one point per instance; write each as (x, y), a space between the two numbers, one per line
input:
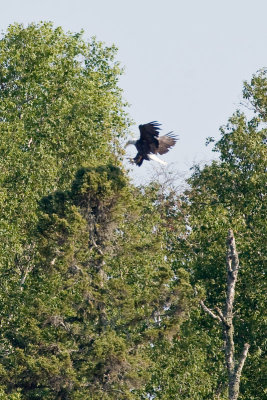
(225, 193)
(60, 107)
(182, 362)
(232, 192)
(102, 292)
(96, 300)
(234, 368)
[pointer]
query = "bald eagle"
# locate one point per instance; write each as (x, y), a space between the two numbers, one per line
(150, 143)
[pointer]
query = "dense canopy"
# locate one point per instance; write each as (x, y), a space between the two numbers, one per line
(101, 280)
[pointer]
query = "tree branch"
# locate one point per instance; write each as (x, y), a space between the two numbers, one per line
(223, 320)
(242, 359)
(207, 310)
(97, 247)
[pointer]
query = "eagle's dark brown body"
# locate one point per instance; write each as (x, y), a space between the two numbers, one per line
(151, 143)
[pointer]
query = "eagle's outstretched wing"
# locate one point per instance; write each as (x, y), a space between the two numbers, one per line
(149, 134)
(166, 142)
(150, 143)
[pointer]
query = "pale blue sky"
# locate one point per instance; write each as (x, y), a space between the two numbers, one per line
(185, 60)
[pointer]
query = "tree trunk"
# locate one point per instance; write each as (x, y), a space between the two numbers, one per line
(225, 318)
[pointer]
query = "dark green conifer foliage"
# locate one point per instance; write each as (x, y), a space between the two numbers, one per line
(60, 108)
(101, 292)
(96, 301)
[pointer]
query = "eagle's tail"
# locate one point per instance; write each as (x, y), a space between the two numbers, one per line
(155, 158)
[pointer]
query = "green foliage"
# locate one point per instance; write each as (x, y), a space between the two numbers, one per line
(60, 108)
(183, 365)
(256, 93)
(227, 194)
(95, 301)
(4, 396)
(97, 277)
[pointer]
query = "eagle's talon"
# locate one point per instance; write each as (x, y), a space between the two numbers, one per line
(131, 160)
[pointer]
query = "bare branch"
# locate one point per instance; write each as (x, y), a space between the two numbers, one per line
(232, 260)
(220, 313)
(232, 265)
(24, 276)
(242, 361)
(234, 378)
(207, 310)
(97, 247)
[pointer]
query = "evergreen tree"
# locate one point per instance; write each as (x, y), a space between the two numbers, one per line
(96, 300)
(101, 293)
(60, 108)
